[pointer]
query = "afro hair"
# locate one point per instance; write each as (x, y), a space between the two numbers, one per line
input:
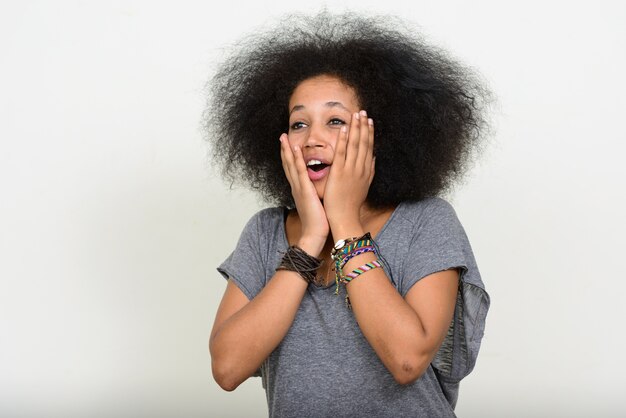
(428, 108)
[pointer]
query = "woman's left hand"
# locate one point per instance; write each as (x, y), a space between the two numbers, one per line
(351, 173)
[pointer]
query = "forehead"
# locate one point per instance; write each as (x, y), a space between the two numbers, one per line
(322, 89)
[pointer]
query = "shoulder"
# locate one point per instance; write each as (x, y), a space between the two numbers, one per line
(265, 230)
(266, 218)
(270, 215)
(429, 210)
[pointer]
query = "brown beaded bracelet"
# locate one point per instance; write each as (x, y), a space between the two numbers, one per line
(298, 260)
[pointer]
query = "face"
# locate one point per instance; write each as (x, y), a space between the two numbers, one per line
(318, 108)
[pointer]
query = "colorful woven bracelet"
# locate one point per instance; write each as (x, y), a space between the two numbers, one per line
(342, 255)
(353, 246)
(344, 246)
(360, 270)
(357, 272)
(350, 248)
(343, 261)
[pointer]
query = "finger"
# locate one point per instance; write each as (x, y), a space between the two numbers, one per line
(370, 140)
(288, 162)
(361, 162)
(340, 151)
(353, 140)
(300, 165)
(372, 170)
(283, 158)
(284, 154)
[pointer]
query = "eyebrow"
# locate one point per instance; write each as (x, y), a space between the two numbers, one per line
(327, 104)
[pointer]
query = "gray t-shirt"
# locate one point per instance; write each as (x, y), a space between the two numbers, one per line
(324, 367)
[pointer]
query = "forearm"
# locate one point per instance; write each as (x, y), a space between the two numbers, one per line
(390, 325)
(242, 342)
(388, 322)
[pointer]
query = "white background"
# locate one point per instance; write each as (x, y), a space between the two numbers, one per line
(112, 220)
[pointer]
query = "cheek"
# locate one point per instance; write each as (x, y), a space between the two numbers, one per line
(295, 139)
(333, 144)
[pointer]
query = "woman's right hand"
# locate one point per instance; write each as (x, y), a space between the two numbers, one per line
(315, 228)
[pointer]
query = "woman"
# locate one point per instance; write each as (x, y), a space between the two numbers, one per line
(358, 294)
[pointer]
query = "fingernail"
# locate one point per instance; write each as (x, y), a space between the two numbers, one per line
(296, 148)
(356, 115)
(370, 121)
(344, 129)
(363, 112)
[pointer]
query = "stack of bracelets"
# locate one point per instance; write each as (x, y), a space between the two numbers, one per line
(346, 249)
(296, 259)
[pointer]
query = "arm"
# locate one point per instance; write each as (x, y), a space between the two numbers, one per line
(405, 333)
(246, 332)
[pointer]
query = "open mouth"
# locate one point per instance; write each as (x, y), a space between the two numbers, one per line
(316, 165)
(317, 169)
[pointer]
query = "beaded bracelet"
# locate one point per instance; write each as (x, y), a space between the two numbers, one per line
(298, 260)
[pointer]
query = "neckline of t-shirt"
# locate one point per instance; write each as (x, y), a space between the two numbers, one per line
(283, 218)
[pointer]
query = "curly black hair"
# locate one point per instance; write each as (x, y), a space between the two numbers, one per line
(428, 108)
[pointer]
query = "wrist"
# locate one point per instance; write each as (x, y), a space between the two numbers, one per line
(347, 230)
(311, 246)
(342, 215)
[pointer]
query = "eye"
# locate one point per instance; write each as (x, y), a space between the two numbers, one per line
(297, 125)
(336, 121)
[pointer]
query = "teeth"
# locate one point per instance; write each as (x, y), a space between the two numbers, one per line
(313, 162)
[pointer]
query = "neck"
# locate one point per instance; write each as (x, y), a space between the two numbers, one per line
(370, 218)
(366, 213)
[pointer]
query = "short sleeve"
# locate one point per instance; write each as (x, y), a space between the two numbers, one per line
(439, 243)
(244, 266)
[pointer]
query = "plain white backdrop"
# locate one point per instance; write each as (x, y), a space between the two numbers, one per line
(112, 220)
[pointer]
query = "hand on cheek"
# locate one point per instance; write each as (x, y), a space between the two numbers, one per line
(352, 171)
(315, 227)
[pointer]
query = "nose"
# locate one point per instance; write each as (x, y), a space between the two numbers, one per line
(316, 138)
